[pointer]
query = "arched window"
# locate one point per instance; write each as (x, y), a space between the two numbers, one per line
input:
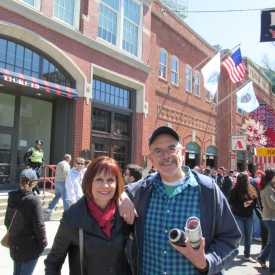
(163, 63)
(188, 75)
(197, 83)
(20, 59)
(175, 70)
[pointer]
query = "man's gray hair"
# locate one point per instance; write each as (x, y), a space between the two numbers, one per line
(67, 156)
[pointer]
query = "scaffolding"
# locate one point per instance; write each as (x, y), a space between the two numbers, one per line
(179, 7)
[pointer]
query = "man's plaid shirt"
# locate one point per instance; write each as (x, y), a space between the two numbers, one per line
(164, 214)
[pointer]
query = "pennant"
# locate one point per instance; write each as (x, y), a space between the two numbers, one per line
(234, 66)
(267, 25)
(211, 74)
(246, 99)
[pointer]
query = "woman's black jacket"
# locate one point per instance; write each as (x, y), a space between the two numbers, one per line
(28, 234)
(101, 255)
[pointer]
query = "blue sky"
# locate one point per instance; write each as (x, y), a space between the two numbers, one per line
(231, 28)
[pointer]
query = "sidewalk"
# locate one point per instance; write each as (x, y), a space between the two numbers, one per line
(238, 267)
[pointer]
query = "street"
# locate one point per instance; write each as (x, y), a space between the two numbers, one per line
(239, 266)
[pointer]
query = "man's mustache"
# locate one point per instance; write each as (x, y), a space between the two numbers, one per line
(168, 160)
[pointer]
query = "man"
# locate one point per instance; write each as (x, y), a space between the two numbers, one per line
(227, 183)
(220, 176)
(62, 171)
(132, 173)
(213, 174)
(34, 159)
(165, 200)
(197, 169)
(207, 172)
(74, 181)
(231, 173)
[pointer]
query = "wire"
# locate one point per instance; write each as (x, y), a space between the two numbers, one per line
(226, 10)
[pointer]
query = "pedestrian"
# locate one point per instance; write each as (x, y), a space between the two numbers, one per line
(62, 170)
(28, 234)
(219, 179)
(227, 183)
(34, 159)
(104, 232)
(74, 181)
(243, 199)
(132, 173)
(267, 187)
(165, 200)
(152, 170)
(87, 163)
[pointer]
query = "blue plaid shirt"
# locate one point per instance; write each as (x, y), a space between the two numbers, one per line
(158, 256)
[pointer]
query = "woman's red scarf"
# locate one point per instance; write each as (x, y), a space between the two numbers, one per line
(103, 217)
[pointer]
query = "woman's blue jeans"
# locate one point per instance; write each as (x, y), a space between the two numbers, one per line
(269, 250)
(246, 226)
(27, 268)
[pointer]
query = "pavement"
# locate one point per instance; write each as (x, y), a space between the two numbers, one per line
(238, 267)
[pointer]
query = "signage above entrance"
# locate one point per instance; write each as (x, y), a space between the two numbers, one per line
(238, 143)
(39, 84)
(265, 152)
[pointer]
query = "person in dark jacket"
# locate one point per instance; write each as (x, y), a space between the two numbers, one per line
(104, 232)
(243, 199)
(28, 234)
(227, 183)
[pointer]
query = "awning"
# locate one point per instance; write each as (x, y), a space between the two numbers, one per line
(39, 84)
(263, 160)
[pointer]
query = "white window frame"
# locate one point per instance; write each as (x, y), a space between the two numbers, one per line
(76, 15)
(188, 77)
(174, 58)
(37, 4)
(119, 34)
(197, 81)
(163, 64)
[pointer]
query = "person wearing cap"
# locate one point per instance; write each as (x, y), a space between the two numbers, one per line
(34, 159)
(220, 177)
(28, 235)
(227, 183)
(165, 200)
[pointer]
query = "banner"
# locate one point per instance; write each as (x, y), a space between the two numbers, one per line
(270, 127)
(267, 25)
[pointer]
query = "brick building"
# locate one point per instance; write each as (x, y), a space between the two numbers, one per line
(95, 78)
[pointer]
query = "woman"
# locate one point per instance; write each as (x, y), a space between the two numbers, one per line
(267, 187)
(243, 199)
(28, 235)
(104, 231)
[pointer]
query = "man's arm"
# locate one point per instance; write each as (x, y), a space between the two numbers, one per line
(26, 157)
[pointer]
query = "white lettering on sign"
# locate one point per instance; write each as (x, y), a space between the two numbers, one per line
(21, 81)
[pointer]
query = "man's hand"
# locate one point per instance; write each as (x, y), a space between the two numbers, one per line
(126, 208)
(195, 256)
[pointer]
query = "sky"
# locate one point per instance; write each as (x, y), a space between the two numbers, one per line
(229, 29)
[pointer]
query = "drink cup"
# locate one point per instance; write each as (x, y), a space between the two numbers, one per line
(193, 232)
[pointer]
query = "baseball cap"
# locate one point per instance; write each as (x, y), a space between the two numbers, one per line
(259, 172)
(231, 171)
(207, 170)
(39, 141)
(164, 130)
(28, 173)
(222, 168)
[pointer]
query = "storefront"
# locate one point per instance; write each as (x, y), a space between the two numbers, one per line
(192, 156)
(36, 102)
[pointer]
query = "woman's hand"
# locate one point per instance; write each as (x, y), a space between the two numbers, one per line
(247, 203)
(126, 208)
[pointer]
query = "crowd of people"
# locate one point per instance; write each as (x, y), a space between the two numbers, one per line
(116, 223)
(252, 202)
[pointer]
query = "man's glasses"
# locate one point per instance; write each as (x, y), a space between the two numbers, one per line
(125, 174)
(80, 163)
(170, 151)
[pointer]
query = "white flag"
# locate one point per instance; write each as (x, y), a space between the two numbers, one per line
(246, 99)
(211, 74)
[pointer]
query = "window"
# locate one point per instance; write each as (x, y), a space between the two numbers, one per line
(215, 99)
(111, 94)
(121, 125)
(197, 83)
(35, 3)
(17, 58)
(162, 63)
(208, 96)
(67, 11)
(101, 120)
(120, 23)
(188, 75)
(175, 70)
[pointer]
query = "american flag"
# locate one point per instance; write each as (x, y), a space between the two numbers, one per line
(234, 66)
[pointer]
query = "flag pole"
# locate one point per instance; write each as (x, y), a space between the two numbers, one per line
(235, 91)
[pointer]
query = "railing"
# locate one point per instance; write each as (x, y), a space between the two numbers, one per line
(50, 178)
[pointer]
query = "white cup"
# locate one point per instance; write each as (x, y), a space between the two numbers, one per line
(193, 231)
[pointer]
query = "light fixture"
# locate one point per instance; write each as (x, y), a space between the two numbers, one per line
(38, 94)
(2, 85)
